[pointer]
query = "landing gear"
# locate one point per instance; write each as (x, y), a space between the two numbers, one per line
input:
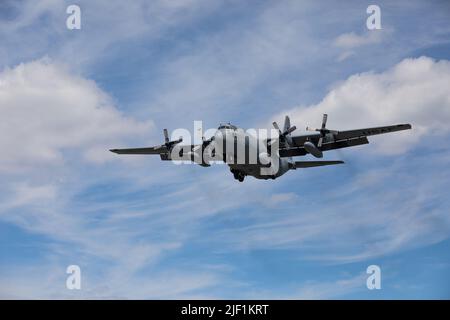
(238, 175)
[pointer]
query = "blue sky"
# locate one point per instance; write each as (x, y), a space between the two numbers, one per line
(142, 228)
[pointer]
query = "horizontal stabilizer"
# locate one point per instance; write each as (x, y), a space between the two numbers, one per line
(309, 164)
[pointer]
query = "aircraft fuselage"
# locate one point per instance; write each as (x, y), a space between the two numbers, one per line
(248, 155)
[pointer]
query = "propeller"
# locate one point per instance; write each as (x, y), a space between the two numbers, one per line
(285, 135)
(206, 142)
(166, 136)
(169, 144)
(198, 151)
(323, 129)
(310, 147)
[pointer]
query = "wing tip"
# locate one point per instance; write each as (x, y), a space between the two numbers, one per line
(405, 126)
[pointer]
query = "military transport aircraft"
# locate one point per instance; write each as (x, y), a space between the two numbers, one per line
(263, 158)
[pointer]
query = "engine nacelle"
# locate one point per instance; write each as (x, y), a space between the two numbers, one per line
(311, 148)
(264, 159)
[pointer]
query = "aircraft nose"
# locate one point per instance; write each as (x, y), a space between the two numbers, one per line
(221, 137)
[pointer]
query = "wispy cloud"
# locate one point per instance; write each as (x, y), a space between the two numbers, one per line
(352, 40)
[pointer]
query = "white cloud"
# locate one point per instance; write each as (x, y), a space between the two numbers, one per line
(352, 40)
(26, 194)
(413, 91)
(331, 290)
(46, 110)
(344, 55)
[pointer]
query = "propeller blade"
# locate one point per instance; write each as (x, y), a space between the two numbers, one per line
(291, 129)
(207, 141)
(287, 123)
(275, 125)
(324, 121)
(166, 135)
(319, 144)
(284, 136)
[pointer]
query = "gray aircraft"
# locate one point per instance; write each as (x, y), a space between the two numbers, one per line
(263, 158)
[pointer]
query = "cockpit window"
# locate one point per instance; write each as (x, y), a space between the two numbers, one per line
(227, 126)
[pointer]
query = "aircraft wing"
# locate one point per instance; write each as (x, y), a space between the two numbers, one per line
(163, 151)
(370, 131)
(150, 150)
(337, 139)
